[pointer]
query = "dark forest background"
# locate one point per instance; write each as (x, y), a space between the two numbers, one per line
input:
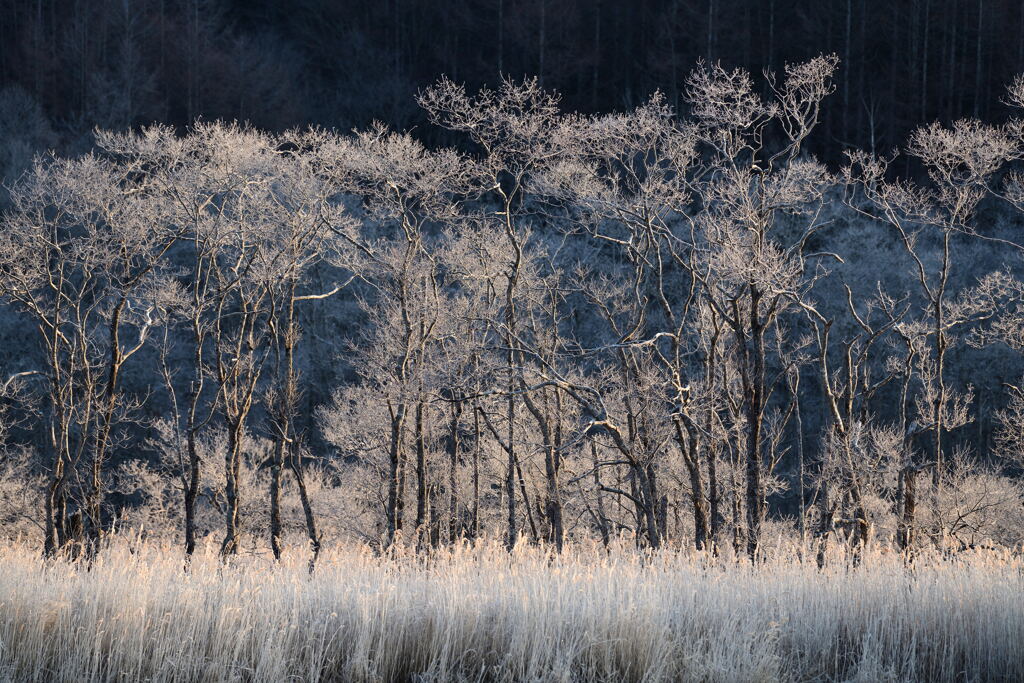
(344, 63)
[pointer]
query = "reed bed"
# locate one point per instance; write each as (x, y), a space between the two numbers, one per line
(480, 614)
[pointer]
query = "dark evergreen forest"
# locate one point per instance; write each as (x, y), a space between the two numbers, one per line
(345, 63)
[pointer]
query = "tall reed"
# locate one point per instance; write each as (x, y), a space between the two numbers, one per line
(480, 614)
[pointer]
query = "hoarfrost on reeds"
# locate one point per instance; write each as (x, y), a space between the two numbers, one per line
(482, 614)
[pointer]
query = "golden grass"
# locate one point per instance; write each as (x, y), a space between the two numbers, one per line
(479, 614)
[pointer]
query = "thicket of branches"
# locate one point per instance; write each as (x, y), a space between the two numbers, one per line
(628, 324)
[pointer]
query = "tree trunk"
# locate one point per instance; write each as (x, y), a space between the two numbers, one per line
(688, 448)
(476, 471)
(421, 471)
(825, 522)
(938, 408)
(602, 517)
(307, 511)
(553, 505)
(106, 422)
(647, 488)
(276, 468)
(395, 479)
(510, 472)
(191, 492)
(552, 511)
(455, 528)
(754, 406)
(55, 509)
(232, 464)
(908, 485)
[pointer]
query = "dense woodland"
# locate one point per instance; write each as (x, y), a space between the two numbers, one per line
(677, 327)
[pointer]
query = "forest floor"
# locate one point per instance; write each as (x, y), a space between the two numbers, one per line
(481, 614)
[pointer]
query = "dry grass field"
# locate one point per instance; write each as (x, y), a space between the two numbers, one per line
(480, 614)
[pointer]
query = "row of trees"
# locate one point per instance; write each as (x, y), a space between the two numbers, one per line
(582, 325)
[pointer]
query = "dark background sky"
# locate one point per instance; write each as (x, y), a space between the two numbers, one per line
(343, 63)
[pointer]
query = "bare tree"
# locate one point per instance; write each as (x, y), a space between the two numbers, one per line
(227, 199)
(513, 128)
(299, 204)
(405, 188)
(82, 245)
(848, 392)
(959, 162)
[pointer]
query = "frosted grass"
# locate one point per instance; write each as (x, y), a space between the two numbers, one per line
(479, 614)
